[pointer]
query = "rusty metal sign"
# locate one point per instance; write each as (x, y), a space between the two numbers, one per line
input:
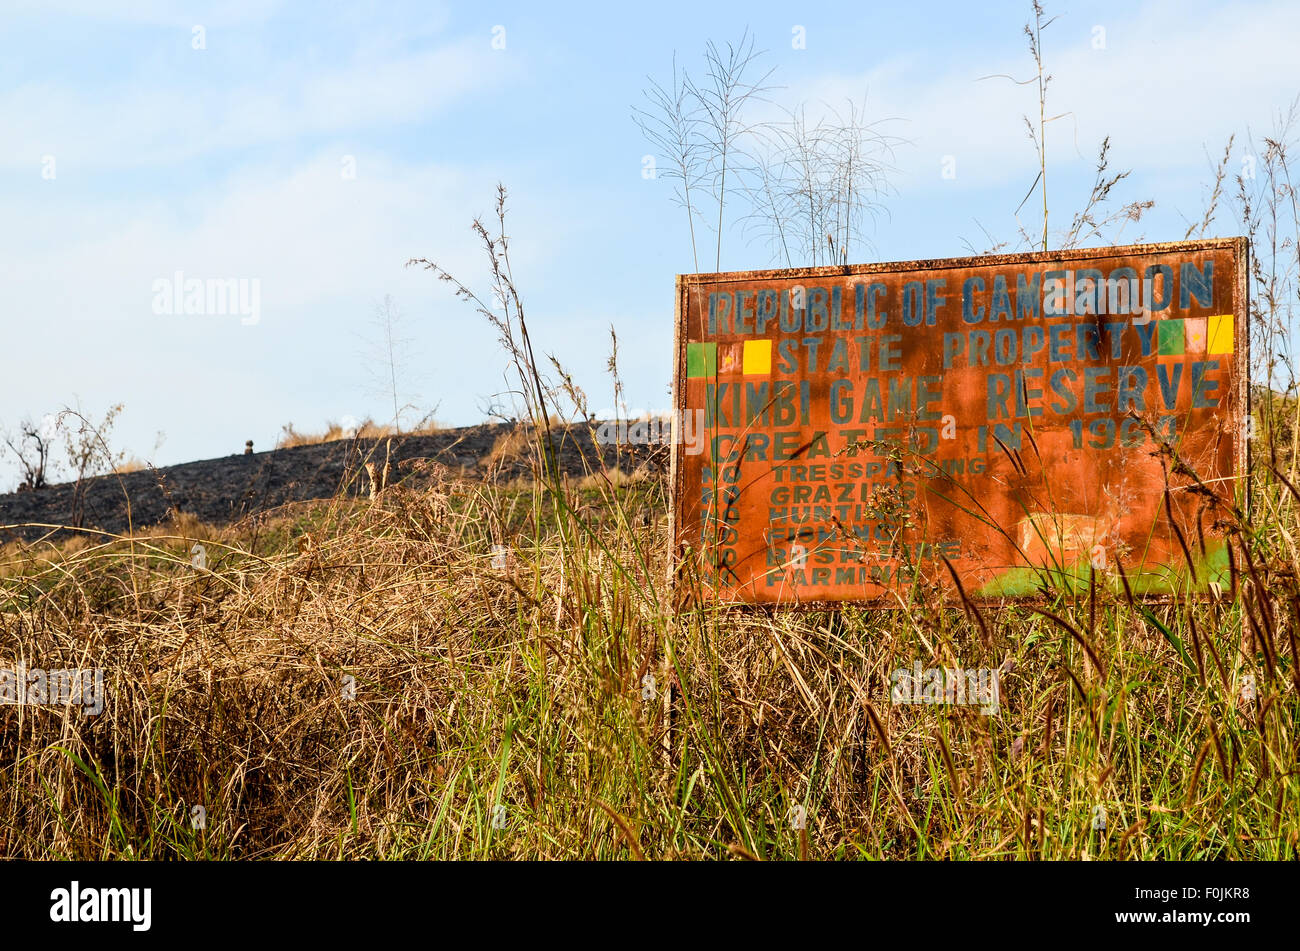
(1010, 423)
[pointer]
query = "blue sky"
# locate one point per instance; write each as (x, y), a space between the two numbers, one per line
(227, 161)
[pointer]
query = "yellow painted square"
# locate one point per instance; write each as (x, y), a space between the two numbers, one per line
(758, 357)
(1220, 334)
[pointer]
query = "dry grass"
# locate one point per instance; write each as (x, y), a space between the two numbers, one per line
(133, 464)
(513, 445)
(367, 429)
(613, 477)
(478, 685)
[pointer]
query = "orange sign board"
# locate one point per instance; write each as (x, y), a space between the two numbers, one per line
(1009, 423)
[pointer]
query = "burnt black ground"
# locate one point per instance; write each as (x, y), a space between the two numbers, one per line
(230, 488)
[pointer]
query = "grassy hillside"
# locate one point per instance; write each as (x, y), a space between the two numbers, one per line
(230, 488)
(374, 679)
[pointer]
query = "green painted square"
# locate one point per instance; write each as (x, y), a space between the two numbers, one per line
(1171, 338)
(701, 360)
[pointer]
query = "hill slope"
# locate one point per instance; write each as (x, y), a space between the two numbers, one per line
(232, 487)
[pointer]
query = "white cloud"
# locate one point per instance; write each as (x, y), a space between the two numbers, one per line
(162, 118)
